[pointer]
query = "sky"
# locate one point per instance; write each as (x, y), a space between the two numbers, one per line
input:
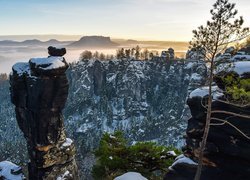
(163, 20)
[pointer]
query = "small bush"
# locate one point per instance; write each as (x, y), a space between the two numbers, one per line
(115, 157)
(237, 90)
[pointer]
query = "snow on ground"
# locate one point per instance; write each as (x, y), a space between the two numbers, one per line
(171, 153)
(204, 91)
(183, 160)
(53, 62)
(7, 170)
(239, 67)
(131, 176)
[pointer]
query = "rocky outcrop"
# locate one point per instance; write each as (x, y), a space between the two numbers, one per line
(227, 154)
(39, 90)
(56, 52)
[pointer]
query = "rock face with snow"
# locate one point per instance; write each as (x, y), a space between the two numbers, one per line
(39, 90)
(195, 53)
(227, 154)
(145, 99)
(10, 171)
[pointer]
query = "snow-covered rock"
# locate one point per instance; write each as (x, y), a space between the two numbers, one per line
(204, 91)
(52, 62)
(131, 176)
(10, 171)
(241, 68)
(182, 159)
(241, 57)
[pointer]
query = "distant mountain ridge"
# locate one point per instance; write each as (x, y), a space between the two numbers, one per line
(94, 41)
(33, 42)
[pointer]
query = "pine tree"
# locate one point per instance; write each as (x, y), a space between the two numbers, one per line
(86, 55)
(214, 38)
(137, 52)
(115, 157)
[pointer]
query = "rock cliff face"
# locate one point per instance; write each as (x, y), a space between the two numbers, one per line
(227, 154)
(145, 99)
(39, 91)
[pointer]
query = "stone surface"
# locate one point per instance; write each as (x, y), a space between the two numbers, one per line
(227, 154)
(39, 90)
(53, 51)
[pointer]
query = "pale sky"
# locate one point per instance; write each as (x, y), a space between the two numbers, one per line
(135, 19)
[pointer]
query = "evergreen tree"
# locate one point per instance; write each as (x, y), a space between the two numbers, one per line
(214, 38)
(137, 52)
(96, 55)
(115, 157)
(127, 53)
(102, 56)
(86, 55)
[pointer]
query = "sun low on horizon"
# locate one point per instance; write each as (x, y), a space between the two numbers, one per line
(162, 20)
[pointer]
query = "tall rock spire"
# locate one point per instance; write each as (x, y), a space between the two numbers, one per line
(39, 90)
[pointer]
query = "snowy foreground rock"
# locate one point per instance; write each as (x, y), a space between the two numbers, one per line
(131, 176)
(227, 154)
(39, 90)
(10, 171)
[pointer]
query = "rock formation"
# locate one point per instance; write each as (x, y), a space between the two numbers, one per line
(39, 90)
(56, 52)
(227, 154)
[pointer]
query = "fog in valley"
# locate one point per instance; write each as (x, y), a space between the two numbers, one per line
(11, 54)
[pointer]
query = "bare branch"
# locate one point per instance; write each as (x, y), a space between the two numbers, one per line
(231, 113)
(237, 129)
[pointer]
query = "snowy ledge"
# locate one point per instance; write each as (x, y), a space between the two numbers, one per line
(240, 67)
(21, 68)
(53, 62)
(204, 91)
(182, 160)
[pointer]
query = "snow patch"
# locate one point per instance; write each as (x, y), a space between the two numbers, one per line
(183, 160)
(171, 153)
(64, 176)
(21, 68)
(53, 62)
(7, 170)
(204, 91)
(131, 176)
(240, 67)
(67, 143)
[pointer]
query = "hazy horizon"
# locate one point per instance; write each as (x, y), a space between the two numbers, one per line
(69, 37)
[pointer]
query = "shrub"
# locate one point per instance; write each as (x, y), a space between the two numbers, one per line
(115, 157)
(237, 90)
